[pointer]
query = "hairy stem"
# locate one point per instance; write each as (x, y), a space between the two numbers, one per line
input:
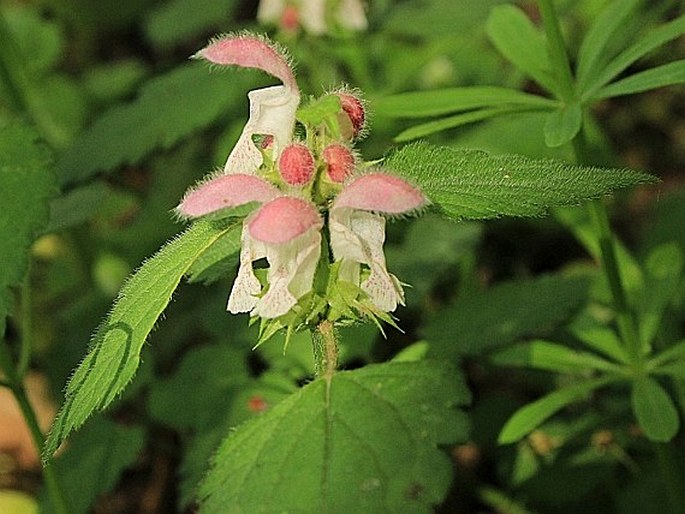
(325, 347)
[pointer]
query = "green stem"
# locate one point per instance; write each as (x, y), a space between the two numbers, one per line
(26, 326)
(599, 217)
(16, 385)
(671, 475)
(325, 348)
(557, 50)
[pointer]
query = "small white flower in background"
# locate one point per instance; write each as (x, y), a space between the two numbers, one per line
(301, 187)
(316, 17)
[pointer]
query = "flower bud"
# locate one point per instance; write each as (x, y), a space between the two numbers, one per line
(339, 162)
(353, 115)
(296, 164)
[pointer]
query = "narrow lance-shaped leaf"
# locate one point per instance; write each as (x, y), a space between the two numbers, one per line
(515, 36)
(592, 53)
(421, 104)
(660, 76)
(654, 410)
(663, 270)
(550, 356)
(468, 184)
(115, 351)
(326, 448)
(563, 124)
(27, 183)
(642, 47)
(529, 417)
(450, 122)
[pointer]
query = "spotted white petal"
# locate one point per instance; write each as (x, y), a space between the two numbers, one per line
(272, 113)
(291, 273)
(357, 237)
(246, 288)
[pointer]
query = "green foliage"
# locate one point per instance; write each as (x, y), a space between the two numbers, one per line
(326, 447)
(543, 58)
(588, 387)
(654, 410)
(115, 351)
(503, 314)
(515, 36)
(168, 108)
(529, 417)
(95, 460)
(27, 183)
(467, 184)
(177, 21)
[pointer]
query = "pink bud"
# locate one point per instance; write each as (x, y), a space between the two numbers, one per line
(250, 51)
(339, 162)
(353, 107)
(380, 192)
(296, 164)
(225, 191)
(283, 219)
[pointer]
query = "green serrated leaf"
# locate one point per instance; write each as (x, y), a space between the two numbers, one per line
(654, 410)
(469, 184)
(115, 350)
(562, 125)
(550, 356)
(592, 54)
(639, 49)
(517, 39)
(363, 441)
(446, 101)
(503, 314)
(168, 108)
(27, 183)
(660, 76)
(529, 417)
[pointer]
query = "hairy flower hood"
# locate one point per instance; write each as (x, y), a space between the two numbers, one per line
(272, 109)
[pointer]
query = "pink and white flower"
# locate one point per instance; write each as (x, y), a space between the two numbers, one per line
(272, 109)
(357, 232)
(314, 16)
(297, 183)
(285, 229)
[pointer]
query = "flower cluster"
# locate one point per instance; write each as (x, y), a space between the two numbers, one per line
(297, 163)
(316, 17)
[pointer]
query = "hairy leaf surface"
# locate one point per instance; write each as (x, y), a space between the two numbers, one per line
(328, 449)
(115, 351)
(470, 184)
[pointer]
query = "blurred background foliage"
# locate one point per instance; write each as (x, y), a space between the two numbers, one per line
(131, 123)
